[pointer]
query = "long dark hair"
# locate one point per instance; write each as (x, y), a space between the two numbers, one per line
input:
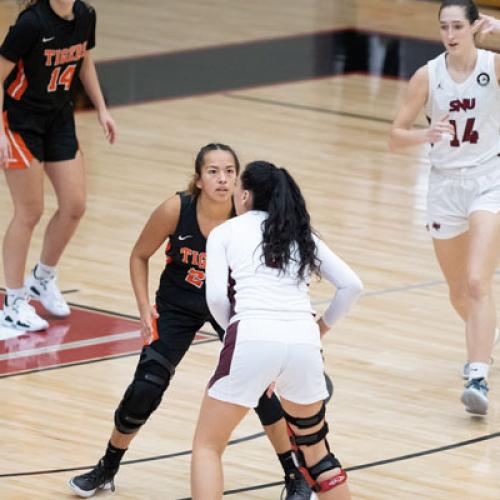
(288, 223)
(192, 189)
(471, 12)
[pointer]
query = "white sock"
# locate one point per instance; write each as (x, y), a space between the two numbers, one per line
(13, 294)
(478, 370)
(44, 272)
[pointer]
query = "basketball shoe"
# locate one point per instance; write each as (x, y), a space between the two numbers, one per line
(21, 316)
(99, 478)
(466, 367)
(475, 396)
(296, 488)
(47, 292)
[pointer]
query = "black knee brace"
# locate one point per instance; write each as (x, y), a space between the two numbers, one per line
(328, 462)
(269, 410)
(144, 394)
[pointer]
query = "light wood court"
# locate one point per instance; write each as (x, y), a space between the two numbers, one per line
(395, 360)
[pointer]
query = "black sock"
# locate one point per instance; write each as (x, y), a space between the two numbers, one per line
(113, 456)
(287, 462)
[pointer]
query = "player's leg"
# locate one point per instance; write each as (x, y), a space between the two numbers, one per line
(447, 223)
(452, 255)
(319, 465)
(483, 256)
(152, 377)
(271, 416)
(303, 391)
(216, 422)
(68, 179)
(64, 167)
(26, 189)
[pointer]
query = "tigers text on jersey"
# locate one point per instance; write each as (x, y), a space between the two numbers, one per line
(473, 107)
(48, 52)
(182, 282)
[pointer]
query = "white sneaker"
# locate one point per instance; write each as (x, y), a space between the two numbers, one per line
(466, 367)
(22, 316)
(48, 293)
(475, 396)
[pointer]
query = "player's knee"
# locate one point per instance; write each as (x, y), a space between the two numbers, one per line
(75, 210)
(269, 410)
(144, 394)
(477, 287)
(458, 294)
(29, 215)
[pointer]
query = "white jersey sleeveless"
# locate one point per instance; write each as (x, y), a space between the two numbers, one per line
(474, 112)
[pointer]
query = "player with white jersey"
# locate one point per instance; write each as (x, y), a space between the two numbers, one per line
(258, 271)
(460, 94)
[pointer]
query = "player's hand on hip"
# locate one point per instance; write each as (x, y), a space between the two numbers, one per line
(442, 130)
(108, 125)
(5, 151)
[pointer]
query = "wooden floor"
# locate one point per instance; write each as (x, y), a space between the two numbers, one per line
(395, 360)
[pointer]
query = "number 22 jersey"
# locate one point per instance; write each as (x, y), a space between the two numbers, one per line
(182, 283)
(473, 109)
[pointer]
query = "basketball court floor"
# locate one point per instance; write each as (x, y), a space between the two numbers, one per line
(311, 85)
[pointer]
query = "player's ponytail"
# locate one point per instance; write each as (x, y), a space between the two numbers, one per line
(470, 8)
(288, 225)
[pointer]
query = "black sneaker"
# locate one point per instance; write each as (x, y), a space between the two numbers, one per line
(99, 477)
(296, 487)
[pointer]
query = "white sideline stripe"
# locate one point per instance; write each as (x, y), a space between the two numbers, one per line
(70, 345)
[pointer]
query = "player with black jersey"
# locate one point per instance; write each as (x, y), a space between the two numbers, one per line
(41, 58)
(169, 327)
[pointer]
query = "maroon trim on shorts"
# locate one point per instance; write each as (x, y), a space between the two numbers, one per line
(226, 355)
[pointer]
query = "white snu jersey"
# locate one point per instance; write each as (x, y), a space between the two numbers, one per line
(473, 107)
(234, 251)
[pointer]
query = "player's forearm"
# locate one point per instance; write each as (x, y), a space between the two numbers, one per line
(401, 138)
(90, 82)
(139, 272)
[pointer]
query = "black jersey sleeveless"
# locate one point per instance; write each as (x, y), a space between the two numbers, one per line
(48, 52)
(182, 283)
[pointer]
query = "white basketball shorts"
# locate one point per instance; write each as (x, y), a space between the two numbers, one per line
(454, 194)
(247, 368)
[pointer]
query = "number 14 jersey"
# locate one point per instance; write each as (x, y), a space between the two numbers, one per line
(473, 109)
(48, 52)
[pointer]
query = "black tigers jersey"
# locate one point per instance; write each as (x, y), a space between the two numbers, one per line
(182, 282)
(48, 52)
